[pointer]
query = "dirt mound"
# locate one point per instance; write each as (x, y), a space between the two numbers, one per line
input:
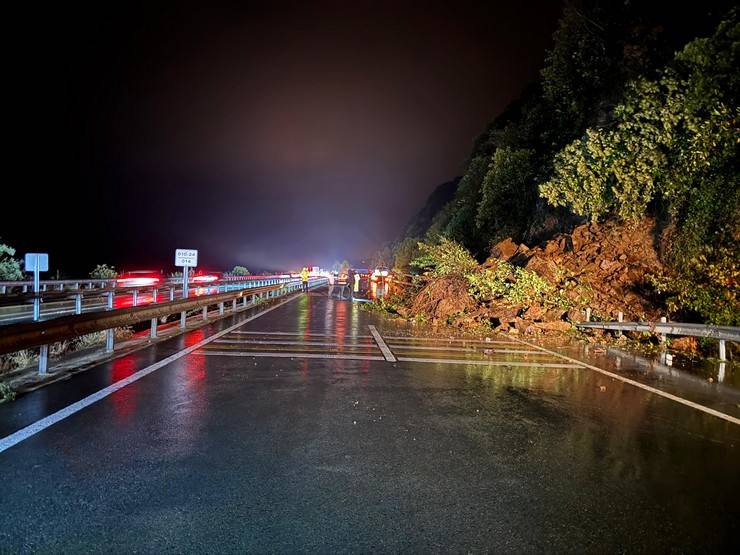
(604, 267)
(443, 298)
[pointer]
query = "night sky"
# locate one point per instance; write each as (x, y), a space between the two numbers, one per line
(272, 135)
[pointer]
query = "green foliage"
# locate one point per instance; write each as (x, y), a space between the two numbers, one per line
(6, 393)
(708, 285)
(515, 285)
(673, 145)
(10, 268)
(239, 271)
(406, 251)
(507, 193)
(461, 225)
(491, 283)
(445, 258)
(103, 271)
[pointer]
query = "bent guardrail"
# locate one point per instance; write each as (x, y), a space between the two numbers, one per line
(720, 333)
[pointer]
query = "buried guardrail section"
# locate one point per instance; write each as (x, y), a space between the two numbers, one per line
(28, 335)
(663, 328)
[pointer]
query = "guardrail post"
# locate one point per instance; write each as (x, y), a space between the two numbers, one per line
(620, 318)
(155, 295)
(221, 308)
(153, 328)
(233, 305)
(588, 314)
(25, 289)
(663, 320)
(3, 289)
(78, 303)
(135, 297)
(722, 352)
(172, 294)
(205, 313)
(109, 340)
(244, 301)
(61, 287)
(183, 318)
(43, 359)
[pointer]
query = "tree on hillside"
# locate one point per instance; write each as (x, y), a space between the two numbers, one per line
(673, 146)
(10, 268)
(240, 271)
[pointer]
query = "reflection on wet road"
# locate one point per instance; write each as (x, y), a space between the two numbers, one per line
(293, 432)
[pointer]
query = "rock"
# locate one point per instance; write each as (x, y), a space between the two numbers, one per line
(544, 267)
(574, 315)
(504, 249)
(554, 314)
(558, 325)
(534, 313)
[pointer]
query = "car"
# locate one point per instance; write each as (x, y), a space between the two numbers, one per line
(202, 277)
(139, 278)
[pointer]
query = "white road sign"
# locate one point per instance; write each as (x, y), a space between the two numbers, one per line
(36, 261)
(186, 257)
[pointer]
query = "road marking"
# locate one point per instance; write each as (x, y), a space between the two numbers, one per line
(303, 343)
(487, 362)
(381, 344)
(475, 349)
(32, 429)
(450, 340)
(287, 355)
(654, 390)
(300, 334)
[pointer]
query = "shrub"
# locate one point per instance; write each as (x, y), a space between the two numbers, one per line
(445, 258)
(103, 271)
(239, 271)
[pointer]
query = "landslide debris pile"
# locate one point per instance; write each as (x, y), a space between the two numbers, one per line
(544, 289)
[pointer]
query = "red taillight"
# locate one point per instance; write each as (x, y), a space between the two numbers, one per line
(137, 281)
(204, 279)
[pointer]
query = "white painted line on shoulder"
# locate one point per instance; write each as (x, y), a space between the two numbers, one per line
(531, 364)
(476, 349)
(381, 344)
(32, 429)
(287, 355)
(298, 334)
(449, 340)
(654, 390)
(301, 343)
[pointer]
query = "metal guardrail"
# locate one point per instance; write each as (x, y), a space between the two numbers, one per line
(106, 288)
(29, 335)
(721, 333)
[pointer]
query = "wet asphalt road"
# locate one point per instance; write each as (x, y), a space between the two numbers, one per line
(293, 433)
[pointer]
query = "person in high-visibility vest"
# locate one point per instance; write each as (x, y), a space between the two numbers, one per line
(304, 278)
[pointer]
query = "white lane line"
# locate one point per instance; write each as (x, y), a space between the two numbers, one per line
(448, 340)
(290, 333)
(487, 362)
(32, 429)
(476, 349)
(381, 344)
(302, 343)
(660, 392)
(287, 355)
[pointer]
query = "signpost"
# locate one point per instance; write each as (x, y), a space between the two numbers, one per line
(186, 259)
(37, 262)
